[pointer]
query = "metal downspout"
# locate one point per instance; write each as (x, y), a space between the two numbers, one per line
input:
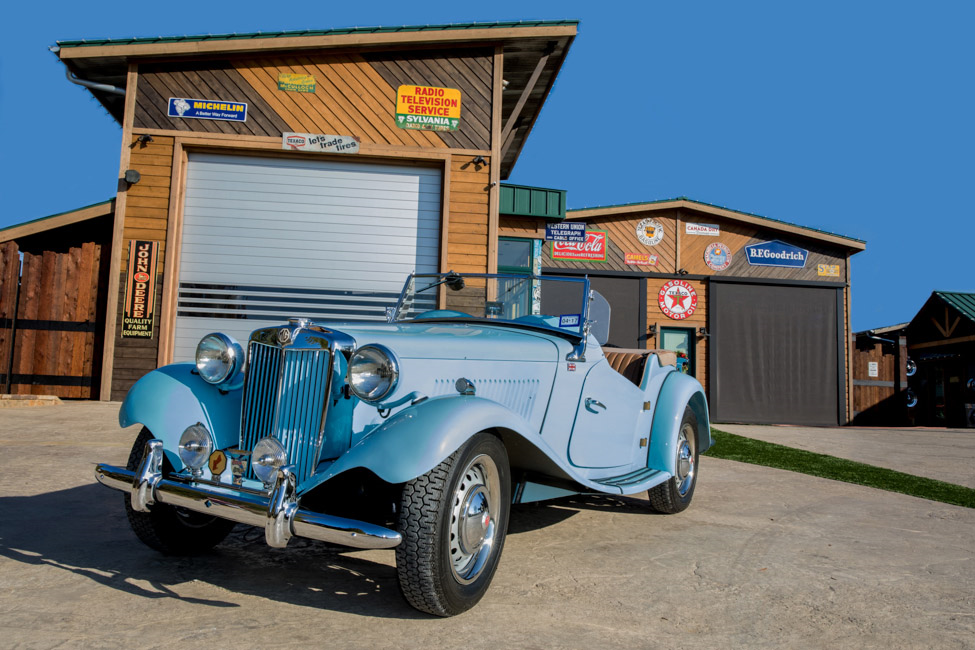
(91, 85)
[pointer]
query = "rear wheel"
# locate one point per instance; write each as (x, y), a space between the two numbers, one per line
(675, 495)
(173, 531)
(453, 520)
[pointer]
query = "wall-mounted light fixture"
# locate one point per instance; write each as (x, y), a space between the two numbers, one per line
(144, 139)
(478, 161)
(702, 332)
(682, 271)
(652, 330)
(132, 176)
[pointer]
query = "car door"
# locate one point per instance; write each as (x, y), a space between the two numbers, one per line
(604, 434)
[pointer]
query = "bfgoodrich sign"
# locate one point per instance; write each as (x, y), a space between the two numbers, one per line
(776, 253)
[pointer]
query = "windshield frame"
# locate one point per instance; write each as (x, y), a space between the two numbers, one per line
(439, 279)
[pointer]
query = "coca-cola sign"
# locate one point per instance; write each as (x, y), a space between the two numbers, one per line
(592, 250)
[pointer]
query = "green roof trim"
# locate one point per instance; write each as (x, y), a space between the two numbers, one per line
(963, 302)
(51, 216)
(527, 201)
(721, 207)
(316, 32)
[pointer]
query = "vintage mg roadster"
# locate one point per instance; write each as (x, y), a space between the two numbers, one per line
(417, 434)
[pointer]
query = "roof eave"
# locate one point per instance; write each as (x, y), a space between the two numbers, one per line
(855, 245)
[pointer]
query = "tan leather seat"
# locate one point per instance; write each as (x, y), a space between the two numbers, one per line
(631, 363)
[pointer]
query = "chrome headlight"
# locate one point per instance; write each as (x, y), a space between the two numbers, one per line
(268, 455)
(195, 446)
(373, 372)
(218, 357)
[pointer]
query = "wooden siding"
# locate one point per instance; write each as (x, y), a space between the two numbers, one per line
(521, 227)
(9, 288)
(736, 236)
(353, 95)
(699, 318)
(146, 218)
(622, 239)
(470, 71)
(467, 227)
(880, 400)
(216, 80)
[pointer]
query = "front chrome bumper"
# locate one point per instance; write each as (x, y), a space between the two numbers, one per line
(278, 513)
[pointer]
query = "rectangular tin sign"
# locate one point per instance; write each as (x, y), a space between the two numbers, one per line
(776, 253)
(320, 142)
(592, 250)
(710, 229)
(428, 108)
(828, 270)
(640, 259)
(566, 231)
(140, 290)
(296, 83)
(208, 109)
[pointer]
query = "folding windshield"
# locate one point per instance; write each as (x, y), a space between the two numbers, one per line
(558, 304)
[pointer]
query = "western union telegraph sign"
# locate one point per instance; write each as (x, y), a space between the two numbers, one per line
(428, 108)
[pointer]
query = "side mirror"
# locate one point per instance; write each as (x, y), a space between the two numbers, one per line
(599, 313)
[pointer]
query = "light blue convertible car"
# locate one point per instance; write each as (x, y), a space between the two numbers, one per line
(481, 391)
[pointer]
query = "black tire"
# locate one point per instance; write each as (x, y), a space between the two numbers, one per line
(169, 530)
(442, 572)
(675, 495)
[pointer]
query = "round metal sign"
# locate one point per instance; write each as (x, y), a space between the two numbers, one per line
(650, 231)
(677, 299)
(717, 256)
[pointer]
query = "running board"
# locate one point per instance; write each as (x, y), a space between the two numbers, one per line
(638, 481)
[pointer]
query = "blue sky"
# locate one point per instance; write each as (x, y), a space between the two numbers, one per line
(850, 117)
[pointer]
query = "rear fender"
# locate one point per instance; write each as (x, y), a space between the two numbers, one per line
(171, 398)
(677, 393)
(418, 438)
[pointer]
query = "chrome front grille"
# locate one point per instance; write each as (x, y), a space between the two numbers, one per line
(286, 396)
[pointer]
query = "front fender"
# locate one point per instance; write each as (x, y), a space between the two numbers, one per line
(171, 398)
(678, 392)
(418, 438)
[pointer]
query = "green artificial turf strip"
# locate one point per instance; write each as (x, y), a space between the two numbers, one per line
(758, 452)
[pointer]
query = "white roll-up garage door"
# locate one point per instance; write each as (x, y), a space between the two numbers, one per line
(265, 239)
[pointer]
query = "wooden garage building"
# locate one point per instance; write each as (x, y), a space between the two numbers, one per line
(759, 309)
(274, 173)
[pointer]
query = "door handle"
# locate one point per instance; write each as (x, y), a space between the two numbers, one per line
(590, 403)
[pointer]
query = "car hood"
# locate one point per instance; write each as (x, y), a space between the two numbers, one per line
(455, 340)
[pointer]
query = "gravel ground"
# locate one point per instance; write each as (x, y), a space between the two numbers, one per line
(762, 559)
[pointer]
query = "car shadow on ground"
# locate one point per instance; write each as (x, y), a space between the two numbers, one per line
(83, 530)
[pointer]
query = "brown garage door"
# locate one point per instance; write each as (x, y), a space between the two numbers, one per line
(774, 354)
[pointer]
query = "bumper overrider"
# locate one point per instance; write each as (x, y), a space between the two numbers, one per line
(277, 512)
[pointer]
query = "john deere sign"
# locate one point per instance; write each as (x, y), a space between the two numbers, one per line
(428, 108)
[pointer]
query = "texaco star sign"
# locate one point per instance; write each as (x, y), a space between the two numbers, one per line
(677, 299)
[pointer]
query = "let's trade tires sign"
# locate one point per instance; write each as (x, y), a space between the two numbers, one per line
(427, 108)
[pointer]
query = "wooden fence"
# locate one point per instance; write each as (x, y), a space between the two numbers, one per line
(50, 329)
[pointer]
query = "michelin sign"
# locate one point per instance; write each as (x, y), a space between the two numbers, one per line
(776, 253)
(207, 109)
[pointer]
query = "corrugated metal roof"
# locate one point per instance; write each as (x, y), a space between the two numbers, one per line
(963, 302)
(713, 205)
(315, 32)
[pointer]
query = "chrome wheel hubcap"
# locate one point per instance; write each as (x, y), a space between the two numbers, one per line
(472, 520)
(685, 460)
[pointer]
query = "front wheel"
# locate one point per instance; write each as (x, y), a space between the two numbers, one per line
(453, 520)
(675, 495)
(170, 530)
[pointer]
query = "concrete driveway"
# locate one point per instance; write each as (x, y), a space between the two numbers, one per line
(942, 454)
(763, 559)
